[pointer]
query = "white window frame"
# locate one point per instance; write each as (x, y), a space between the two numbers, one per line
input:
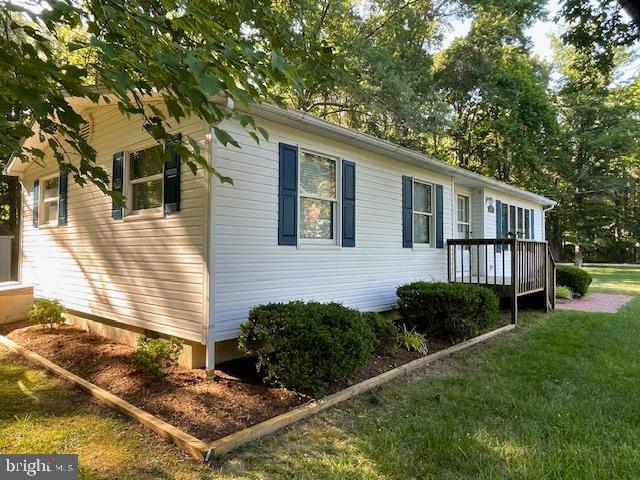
(42, 201)
(128, 186)
(468, 204)
(336, 202)
(430, 216)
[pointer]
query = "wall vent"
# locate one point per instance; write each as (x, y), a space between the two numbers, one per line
(86, 130)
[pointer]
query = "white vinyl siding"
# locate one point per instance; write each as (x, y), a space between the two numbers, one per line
(251, 268)
(148, 272)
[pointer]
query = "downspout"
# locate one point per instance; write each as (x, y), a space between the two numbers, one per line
(544, 218)
(211, 260)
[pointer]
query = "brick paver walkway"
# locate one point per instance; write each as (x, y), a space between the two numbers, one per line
(596, 302)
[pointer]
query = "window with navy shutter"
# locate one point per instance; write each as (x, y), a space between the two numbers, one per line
(439, 216)
(288, 195)
(62, 200)
(117, 183)
(36, 203)
(172, 176)
(407, 212)
(348, 204)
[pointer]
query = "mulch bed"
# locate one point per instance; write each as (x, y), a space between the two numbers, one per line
(206, 409)
(184, 398)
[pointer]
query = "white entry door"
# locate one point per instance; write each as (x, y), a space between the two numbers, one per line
(463, 257)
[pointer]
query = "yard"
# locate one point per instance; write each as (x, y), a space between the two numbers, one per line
(557, 399)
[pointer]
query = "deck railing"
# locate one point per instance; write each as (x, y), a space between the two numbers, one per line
(513, 267)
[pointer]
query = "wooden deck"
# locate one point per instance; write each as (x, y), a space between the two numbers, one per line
(513, 267)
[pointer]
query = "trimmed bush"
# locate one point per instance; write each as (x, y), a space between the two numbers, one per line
(304, 346)
(459, 311)
(156, 356)
(47, 313)
(385, 333)
(577, 279)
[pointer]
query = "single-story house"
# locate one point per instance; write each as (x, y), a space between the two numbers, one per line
(317, 211)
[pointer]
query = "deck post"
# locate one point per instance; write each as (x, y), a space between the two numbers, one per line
(514, 282)
(547, 301)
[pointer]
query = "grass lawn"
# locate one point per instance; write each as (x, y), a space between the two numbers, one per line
(556, 399)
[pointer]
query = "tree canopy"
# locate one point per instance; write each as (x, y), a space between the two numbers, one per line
(131, 49)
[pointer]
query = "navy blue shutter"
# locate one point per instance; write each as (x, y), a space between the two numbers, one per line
(439, 216)
(36, 202)
(117, 183)
(62, 199)
(407, 212)
(533, 229)
(288, 195)
(348, 204)
(498, 223)
(172, 176)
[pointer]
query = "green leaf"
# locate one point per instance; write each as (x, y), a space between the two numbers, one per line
(224, 137)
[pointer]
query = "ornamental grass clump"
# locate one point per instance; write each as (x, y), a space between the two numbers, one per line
(413, 341)
(564, 292)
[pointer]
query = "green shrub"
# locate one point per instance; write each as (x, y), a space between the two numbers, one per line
(575, 278)
(156, 356)
(385, 333)
(47, 313)
(457, 310)
(412, 340)
(564, 292)
(304, 346)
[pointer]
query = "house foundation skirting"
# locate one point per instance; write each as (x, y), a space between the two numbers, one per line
(192, 356)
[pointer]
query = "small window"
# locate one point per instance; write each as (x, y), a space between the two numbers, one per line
(146, 179)
(318, 197)
(463, 217)
(520, 231)
(512, 221)
(505, 220)
(50, 198)
(422, 212)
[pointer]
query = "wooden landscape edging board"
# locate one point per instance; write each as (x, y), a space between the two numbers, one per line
(226, 444)
(203, 451)
(197, 448)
